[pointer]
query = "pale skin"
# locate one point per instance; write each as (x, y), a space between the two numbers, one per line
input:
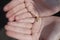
(25, 23)
(23, 31)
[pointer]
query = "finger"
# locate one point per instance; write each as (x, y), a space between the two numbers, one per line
(18, 29)
(12, 4)
(22, 25)
(23, 16)
(15, 10)
(11, 19)
(27, 20)
(18, 35)
(30, 7)
(18, 13)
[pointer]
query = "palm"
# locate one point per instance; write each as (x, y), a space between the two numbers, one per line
(47, 29)
(51, 31)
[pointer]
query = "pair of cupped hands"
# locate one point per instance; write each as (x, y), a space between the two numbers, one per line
(27, 20)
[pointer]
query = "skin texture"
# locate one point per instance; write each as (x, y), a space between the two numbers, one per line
(19, 31)
(34, 7)
(27, 20)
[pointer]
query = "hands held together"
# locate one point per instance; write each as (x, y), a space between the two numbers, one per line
(27, 20)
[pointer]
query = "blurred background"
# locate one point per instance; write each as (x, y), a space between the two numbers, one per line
(3, 20)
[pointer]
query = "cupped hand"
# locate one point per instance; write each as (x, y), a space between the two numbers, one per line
(32, 30)
(30, 18)
(36, 8)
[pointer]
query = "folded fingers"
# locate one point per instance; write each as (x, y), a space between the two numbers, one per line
(22, 24)
(15, 10)
(27, 20)
(18, 29)
(20, 15)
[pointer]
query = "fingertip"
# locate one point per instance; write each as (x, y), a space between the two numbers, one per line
(11, 19)
(10, 23)
(9, 14)
(8, 33)
(5, 8)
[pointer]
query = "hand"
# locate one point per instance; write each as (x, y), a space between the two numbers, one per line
(36, 8)
(20, 30)
(12, 13)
